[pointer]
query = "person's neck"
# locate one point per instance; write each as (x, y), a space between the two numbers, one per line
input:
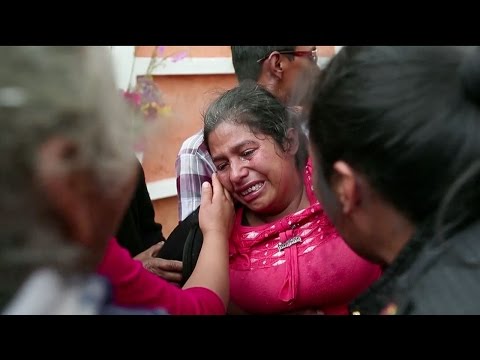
(393, 232)
(297, 202)
(272, 86)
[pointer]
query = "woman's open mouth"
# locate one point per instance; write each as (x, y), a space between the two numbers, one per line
(252, 192)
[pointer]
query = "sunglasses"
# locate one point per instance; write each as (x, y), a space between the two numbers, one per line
(310, 54)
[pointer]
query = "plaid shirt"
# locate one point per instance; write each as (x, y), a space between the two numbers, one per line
(194, 166)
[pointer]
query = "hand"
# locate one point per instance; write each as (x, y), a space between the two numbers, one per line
(216, 209)
(170, 270)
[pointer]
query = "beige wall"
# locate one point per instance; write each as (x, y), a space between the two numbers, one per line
(188, 95)
(193, 51)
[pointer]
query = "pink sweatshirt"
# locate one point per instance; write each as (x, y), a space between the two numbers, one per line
(297, 262)
(135, 286)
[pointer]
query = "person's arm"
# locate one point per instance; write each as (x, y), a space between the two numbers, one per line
(138, 230)
(193, 167)
(216, 219)
(150, 230)
(133, 285)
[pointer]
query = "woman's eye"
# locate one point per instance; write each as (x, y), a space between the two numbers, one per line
(221, 167)
(247, 153)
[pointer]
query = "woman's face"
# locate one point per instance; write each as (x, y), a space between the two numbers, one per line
(253, 167)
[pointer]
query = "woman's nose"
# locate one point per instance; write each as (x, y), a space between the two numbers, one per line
(237, 172)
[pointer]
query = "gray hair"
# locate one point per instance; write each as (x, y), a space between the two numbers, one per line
(251, 105)
(47, 92)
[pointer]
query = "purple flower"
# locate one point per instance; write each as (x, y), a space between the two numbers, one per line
(133, 97)
(160, 50)
(177, 57)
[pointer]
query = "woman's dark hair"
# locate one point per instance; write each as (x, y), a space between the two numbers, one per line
(251, 105)
(408, 118)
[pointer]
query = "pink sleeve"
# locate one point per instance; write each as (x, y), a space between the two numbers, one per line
(135, 286)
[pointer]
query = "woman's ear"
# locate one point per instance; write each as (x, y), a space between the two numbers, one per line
(345, 187)
(292, 142)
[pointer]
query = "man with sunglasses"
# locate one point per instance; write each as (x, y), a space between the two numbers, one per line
(285, 71)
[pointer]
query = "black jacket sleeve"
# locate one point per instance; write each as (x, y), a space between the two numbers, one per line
(138, 230)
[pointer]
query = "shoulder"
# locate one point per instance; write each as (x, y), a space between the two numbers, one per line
(308, 172)
(444, 292)
(448, 282)
(194, 155)
(192, 144)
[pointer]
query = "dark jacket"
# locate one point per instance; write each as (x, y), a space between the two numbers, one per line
(138, 230)
(429, 277)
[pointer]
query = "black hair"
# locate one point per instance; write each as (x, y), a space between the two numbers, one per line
(408, 118)
(245, 59)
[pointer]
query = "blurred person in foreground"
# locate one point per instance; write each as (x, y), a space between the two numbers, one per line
(395, 138)
(68, 175)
